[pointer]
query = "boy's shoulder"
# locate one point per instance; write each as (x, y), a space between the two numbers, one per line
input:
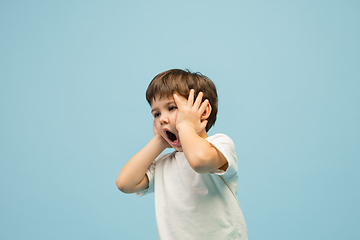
(223, 143)
(219, 137)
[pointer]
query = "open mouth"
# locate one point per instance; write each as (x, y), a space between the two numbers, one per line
(172, 137)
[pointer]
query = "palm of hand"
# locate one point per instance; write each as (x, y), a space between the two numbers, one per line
(190, 112)
(156, 133)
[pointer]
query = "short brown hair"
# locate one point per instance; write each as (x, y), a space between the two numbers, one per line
(167, 83)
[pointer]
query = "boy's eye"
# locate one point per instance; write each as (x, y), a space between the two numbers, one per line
(172, 108)
(156, 114)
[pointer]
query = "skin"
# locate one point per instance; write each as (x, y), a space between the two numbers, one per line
(186, 118)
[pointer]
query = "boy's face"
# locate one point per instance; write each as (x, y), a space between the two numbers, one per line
(164, 111)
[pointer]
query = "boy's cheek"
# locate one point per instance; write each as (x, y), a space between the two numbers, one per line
(158, 128)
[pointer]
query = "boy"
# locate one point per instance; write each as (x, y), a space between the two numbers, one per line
(195, 186)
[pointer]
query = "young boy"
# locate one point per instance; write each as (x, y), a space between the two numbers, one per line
(195, 186)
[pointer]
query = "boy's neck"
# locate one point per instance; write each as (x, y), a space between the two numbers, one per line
(203, 134)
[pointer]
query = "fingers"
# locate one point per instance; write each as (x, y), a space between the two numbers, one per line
(178, 100)
(197, 105)
(203, 106)
(192, 110)
(175, 98)
(198, 100)
(191, 97)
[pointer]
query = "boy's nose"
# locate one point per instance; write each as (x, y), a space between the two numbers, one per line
(164, 120)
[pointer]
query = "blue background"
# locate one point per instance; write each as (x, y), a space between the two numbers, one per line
(73, 111)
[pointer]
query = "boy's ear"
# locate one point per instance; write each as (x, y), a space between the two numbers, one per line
(206, 113)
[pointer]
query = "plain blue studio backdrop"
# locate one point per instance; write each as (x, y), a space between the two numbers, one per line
(73, 111)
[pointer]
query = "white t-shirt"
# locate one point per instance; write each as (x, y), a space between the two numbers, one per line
(190, 205)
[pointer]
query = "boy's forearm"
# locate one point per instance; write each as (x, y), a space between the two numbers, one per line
(198, 151)
(135, 169)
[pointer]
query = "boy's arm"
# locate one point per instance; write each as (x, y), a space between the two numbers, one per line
(201, 155)
(132, 177)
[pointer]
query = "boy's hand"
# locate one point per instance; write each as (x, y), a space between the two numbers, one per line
(190, 112)
(164, 143)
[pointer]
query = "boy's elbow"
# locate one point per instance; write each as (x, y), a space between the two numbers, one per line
(200, 169)
(119, 185)
(123, 187)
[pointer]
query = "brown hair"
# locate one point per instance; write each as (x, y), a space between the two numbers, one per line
(167, 83)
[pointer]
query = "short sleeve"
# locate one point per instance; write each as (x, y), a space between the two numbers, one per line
(150, 174)
(226, 146)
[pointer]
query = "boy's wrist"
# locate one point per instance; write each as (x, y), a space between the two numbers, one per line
(185, 127)
(161, 142)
